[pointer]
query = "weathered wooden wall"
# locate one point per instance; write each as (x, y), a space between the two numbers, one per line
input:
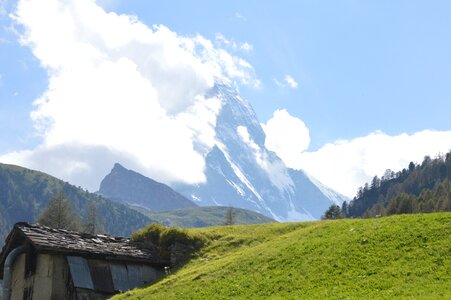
(98, 279)
(49, 281)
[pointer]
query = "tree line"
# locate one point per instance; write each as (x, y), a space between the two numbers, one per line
(59, 214)
(419, 188)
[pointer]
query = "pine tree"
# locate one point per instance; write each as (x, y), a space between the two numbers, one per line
(344, 209)
(59, 214)
(229, 218)
(332, 213)
(92, 223)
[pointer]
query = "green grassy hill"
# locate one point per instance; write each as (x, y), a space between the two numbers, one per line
(403, 256)
(203, 216)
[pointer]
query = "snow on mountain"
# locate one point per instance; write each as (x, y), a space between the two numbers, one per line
(241, 172)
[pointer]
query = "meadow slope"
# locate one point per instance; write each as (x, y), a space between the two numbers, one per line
(204, 216)
(402, 256)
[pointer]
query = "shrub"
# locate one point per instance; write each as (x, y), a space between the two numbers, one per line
(150, 234)
(172, 243)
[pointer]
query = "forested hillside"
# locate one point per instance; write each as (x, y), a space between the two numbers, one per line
(25, 193)
(418, 188)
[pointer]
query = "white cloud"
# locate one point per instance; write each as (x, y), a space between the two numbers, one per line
(291, 82)
(278, 83)
(246, 47)
(225, 63)
(115, 84)
(347, 165)
(231, 44)
(240, 16)
(287, 136)
(288, 81)
(74, 162)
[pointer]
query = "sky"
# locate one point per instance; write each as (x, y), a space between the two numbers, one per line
(343, 89)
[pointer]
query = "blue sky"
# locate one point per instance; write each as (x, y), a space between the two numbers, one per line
(361, 67)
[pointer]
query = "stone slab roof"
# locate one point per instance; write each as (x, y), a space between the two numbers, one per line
(49, 240)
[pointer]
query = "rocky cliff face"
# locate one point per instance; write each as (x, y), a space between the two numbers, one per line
(129, 187)
(241, 172)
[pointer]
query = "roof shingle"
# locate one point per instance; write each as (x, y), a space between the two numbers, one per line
(46, 239)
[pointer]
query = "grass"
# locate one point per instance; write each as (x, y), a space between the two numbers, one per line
(203, 216)
(402, 257)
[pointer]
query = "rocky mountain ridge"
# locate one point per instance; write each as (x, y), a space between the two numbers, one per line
(129, 187)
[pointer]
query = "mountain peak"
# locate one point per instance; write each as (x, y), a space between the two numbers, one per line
(130, 187)
(118, 168)
(243, 173)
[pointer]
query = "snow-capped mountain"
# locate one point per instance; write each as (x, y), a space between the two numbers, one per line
(241, 172)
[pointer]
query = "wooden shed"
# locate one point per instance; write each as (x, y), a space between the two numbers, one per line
(38, 262)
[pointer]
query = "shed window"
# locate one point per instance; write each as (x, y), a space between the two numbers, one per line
(109, 277)
(101, 275)
(120, 277)
(79, 270)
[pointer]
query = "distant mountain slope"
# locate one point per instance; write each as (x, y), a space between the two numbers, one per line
(205, 216)
(25, 193)
(129, 187)
(397, 257)
(241, 172)
(417, 188)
